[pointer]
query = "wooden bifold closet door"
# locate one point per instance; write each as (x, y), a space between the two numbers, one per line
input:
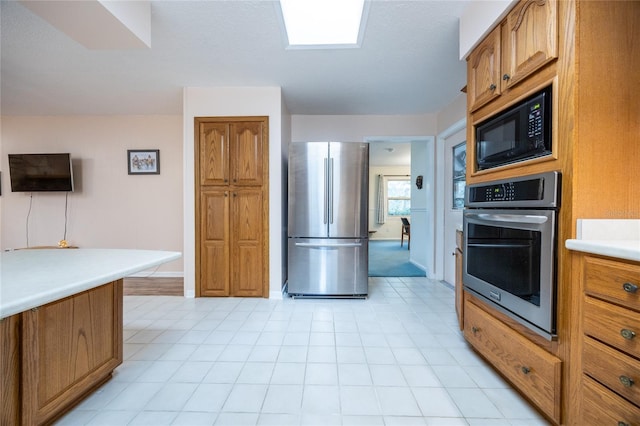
(232, 206)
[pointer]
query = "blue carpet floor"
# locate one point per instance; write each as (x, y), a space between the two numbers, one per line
(388, 259)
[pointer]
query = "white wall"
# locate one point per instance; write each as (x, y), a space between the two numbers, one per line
(392, 227)
(422, 205)
(476, 21)
(230, 102)
(284, 188)
(110, 208)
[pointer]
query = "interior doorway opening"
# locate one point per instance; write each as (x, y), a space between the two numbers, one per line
(390, 200)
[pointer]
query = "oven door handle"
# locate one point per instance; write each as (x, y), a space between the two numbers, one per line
(509, 218)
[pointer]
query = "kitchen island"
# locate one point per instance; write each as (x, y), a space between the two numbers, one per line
(61, 326)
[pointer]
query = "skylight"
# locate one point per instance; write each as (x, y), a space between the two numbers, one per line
(319, 23)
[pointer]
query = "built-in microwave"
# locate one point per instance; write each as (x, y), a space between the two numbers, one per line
(519, 133)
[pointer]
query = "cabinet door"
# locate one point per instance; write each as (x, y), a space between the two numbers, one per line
(529, 39)
(214, 243)
(603, 407)
(483, 71)
(247, 153)
(10, 370)
(214, 154)
(69, 347)
(247, 242)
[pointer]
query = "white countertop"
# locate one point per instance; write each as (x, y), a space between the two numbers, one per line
(619, 238)
(31, 278)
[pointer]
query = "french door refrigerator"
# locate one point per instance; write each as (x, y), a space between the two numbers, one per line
(328, 219)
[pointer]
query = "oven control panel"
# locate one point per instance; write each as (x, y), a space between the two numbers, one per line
(528, 191)
(504, 192)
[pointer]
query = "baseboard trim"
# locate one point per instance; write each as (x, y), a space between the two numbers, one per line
(277, 295)
(419, 266)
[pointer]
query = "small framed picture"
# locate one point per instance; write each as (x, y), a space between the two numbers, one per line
(143, 161)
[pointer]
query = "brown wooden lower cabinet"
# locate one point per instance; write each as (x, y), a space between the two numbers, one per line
(232, 243)
(602, 407)
(533, 371)
(610, 351)
(55, 355)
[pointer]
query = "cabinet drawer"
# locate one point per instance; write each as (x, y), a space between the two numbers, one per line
(612, 368)
(613, 325)
(608, 279)
(603, 407)
(535, 372)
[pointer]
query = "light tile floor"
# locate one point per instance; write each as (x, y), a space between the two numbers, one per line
(396, 358)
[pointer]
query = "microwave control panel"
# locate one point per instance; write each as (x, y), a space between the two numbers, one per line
(534, 127)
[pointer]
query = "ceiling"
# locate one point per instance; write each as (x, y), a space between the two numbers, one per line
(407, 64)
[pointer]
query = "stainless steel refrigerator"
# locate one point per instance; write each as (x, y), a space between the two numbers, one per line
(328, 219)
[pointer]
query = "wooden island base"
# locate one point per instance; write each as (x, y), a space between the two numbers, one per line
(55, 355)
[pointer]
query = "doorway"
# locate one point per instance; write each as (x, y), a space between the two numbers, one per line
(454, 164)
(390, 199)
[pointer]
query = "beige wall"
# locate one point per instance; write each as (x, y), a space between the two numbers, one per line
(109, 209)
(114, 210)
(359, 128)
(452, 113)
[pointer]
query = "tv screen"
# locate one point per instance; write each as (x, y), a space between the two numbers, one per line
(40, 172)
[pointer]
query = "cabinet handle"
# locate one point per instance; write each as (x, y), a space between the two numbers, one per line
(525, 370)
(474, 330)
(627, 382)
(506, 77)
(629, 287)
(628, 334)
(493, 87)
(226, 194)
(623, 423)
(226, 181)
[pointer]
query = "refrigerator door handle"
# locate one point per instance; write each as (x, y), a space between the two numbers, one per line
(330, 245)
(331, 190)
(325, 180)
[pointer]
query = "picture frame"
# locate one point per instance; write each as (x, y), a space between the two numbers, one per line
(143, 161)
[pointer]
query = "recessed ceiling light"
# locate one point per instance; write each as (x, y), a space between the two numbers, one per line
(319, 23)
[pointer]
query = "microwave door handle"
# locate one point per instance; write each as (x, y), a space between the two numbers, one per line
(508, 218)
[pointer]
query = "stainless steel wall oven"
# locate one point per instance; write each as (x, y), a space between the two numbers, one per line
(510, 247)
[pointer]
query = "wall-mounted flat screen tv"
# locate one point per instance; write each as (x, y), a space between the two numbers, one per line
(40, 172)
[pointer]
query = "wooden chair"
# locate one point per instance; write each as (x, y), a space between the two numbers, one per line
(406, 230)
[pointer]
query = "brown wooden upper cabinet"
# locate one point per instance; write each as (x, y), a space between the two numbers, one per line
(483, 68)
(232, 215)
(525, 41)
(231, 153)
